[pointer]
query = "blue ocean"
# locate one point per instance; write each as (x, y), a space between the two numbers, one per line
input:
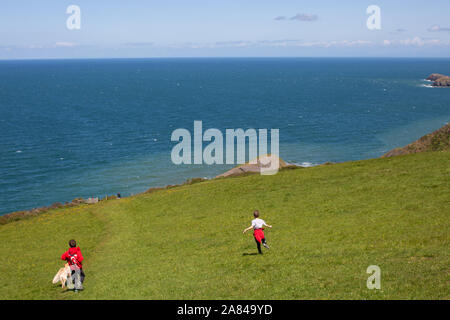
(90, 128)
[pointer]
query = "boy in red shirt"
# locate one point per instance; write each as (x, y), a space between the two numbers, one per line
(258, 233)
(74, 258)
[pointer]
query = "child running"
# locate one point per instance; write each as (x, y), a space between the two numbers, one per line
(258, 233)
(74, 258)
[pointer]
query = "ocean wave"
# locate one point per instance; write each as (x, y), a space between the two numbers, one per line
(305, 164)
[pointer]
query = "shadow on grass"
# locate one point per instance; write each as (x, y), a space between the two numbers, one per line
(249, 254)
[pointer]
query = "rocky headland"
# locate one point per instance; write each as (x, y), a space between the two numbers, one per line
(439, 80)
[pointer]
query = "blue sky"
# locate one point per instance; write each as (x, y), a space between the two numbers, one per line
(213, 28)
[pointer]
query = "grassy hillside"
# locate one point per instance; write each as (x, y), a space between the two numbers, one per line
(438, 140)
(329, 224)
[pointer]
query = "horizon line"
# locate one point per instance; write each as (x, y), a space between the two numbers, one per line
(225, 57)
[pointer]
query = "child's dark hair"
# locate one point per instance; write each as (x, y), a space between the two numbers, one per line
(72, 243)
(256, 213)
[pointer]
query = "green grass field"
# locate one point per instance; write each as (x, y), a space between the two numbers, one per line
(329, 224)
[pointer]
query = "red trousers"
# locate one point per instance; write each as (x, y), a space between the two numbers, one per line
(258, 234)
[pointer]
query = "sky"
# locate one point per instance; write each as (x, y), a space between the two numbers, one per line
(223, 28)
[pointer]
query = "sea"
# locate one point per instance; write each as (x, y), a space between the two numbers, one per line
(91, 128)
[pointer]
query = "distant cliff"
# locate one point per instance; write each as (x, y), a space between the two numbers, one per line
(439, 80)
(439, 140)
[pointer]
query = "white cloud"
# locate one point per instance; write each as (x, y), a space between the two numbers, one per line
(35, 46)
(290, 43)
(305, 17)
(299, 17)
(416, 42)
(138, 44)
(437, 28)
(273, 43)
(64, 44)
(340, 43)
